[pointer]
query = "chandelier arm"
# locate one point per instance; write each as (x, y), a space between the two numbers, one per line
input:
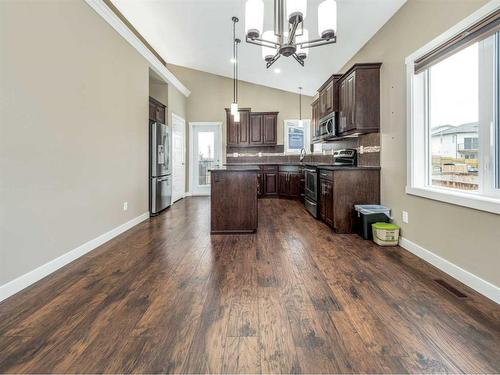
(317, 43)
(262, 42)
(293, 30)
(274, 59)
(299, 60)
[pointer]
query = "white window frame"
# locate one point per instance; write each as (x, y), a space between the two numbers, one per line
(417, 138)
(307, 136)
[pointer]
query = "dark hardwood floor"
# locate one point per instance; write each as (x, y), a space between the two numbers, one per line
(292, 298)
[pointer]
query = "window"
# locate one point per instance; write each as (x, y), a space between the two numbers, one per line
(453, 104)
(297, 135)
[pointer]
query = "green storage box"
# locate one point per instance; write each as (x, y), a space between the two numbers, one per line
(385, 234)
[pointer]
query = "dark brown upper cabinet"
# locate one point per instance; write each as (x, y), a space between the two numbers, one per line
(315, 117)
(254, 129)
(269, 124)
(328, 96)
(359, 106)
(238, 132)
(157, 111)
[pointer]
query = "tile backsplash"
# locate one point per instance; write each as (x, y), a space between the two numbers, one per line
(367, 145)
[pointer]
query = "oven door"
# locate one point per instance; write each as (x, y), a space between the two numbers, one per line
(311, 184)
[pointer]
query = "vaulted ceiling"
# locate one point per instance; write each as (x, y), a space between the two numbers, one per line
(198, 34)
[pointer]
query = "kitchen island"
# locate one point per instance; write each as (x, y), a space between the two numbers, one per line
(233, 201)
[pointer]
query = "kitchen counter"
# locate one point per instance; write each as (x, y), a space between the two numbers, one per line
(236, 168)
(346, 167)
(328, 166)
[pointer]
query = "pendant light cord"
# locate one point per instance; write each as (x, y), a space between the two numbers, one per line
(300, 103)
(237, 69)
(235, 61)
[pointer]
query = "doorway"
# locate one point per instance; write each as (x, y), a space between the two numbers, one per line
(178, 158)
(205, 153)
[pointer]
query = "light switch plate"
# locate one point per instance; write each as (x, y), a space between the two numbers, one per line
(405, 217)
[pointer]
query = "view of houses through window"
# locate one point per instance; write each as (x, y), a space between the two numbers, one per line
(453, 86)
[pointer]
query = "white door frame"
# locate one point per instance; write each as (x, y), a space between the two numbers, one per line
(181, 119)
(200, 123)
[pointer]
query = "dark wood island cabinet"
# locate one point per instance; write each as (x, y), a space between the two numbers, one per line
(233, 201)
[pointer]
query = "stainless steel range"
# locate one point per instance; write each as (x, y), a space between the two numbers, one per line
(341, 158)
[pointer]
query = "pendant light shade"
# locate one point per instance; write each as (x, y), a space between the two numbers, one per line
(236, 117)
(234, 108)
(327, 19)
(302, 52)
(268, 52)
(254, 18)
(296, 8)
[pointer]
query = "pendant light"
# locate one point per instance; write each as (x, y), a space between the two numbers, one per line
(327, 19)
(234, 104)
(254, 17)
(236, 116)
(300, 106)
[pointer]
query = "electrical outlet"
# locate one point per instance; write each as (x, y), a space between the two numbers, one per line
(125, 206)
(361, 149)
(405, 217)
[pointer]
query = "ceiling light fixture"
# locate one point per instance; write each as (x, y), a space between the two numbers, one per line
(300, 106)
(234, 104)
(292, 41)
(277, 70)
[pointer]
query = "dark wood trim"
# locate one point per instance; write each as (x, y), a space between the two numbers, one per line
(332, 77)
(157, 102)
(264, 113)
(359, 66)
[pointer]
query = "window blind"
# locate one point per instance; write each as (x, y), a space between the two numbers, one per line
(480, 30)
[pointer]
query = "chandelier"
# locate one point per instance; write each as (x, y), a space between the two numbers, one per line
(289, 37)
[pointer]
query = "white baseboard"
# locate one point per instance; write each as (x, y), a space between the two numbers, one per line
(482, 286)
(18, 284)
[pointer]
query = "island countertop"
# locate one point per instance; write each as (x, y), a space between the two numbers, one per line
(236, 168)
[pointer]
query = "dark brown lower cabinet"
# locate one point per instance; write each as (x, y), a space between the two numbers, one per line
(341, 189)
(270, 183)
(260, 185)
(289, 184)
(284, 181)
(326, 201)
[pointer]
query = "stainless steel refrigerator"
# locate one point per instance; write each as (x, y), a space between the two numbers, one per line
(160, 167)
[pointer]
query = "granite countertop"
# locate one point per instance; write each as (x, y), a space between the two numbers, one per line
(268, 163)
(327, 166)
(236, 168)
(344, 167)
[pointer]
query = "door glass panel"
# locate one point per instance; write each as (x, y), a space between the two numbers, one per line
(206, 160)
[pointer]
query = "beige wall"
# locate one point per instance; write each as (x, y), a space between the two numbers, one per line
(177, 103)
(463, 236)
(73, 133)
(211, 93)
(158, 91)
